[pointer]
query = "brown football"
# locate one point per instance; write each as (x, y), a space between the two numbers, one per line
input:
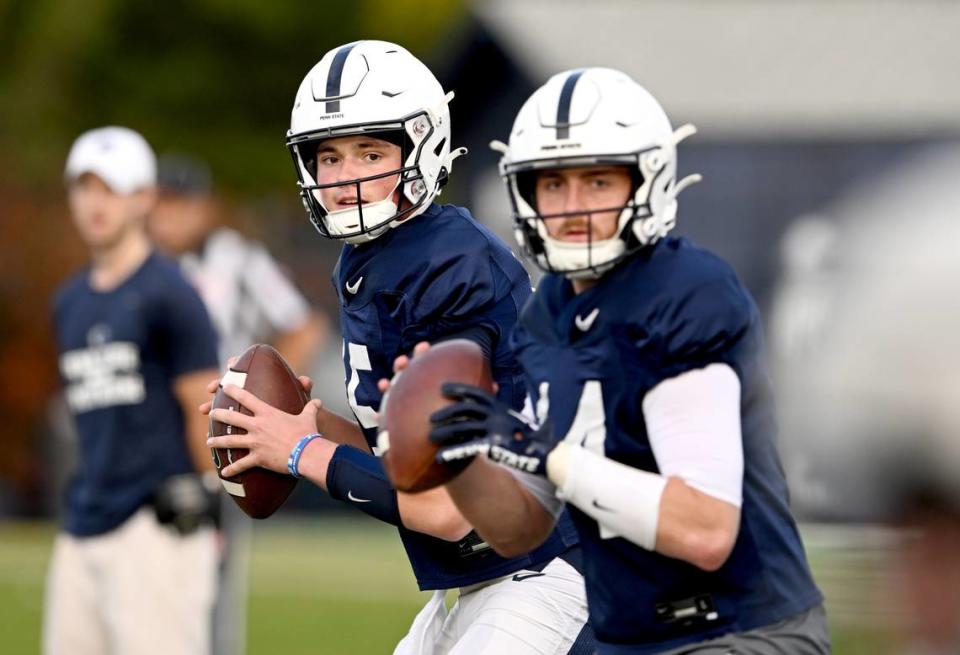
(404, 442)
(262, 371)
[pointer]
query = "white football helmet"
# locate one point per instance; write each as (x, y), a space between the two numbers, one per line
(380, 89)
(593, 117)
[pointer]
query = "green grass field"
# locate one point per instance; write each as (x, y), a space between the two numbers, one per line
(342, 586)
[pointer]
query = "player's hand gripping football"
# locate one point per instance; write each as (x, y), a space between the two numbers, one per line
(480, 423)
(270, 433)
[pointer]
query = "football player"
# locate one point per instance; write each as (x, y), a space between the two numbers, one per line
(650, 410)
(371, 143)
(136, 350)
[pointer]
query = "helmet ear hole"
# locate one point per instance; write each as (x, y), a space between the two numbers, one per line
(533, 239)
(636, 179)
(307, 151)
(527, 188)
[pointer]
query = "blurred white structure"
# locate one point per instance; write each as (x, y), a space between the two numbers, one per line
(756, 68)
(867, 345)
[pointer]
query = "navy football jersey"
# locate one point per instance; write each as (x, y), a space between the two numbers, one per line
(590, 359)
(436, 276)
(119, 352)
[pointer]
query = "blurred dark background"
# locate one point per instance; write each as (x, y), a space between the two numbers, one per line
(800, 105)
(828, 141)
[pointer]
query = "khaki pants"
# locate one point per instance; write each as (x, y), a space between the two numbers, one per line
(139, 589)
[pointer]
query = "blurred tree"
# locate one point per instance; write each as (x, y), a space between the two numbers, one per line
(214, 77)
(211, 77)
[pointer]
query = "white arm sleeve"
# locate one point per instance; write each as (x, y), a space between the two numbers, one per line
(693, 423)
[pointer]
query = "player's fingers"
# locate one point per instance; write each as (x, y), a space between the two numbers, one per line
(245, 398)
(458, 432)
(400, 363)
(312, 408)
(461, 391)
(458, 412)
(383, 384)
(421, 348)
(239, 465)
(205, 407)
(231, 417)
(212, 385)
(229, 441)
(306, 383)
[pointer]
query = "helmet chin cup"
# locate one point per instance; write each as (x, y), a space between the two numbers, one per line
(376, 215)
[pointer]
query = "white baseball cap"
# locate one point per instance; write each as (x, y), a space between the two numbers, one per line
(119, 156)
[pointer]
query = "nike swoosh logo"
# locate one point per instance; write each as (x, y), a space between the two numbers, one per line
(520, 578)
(356, 286)
(584, 324)
(355, 499)
(602, 508)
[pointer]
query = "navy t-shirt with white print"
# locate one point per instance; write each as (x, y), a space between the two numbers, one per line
(119, 353)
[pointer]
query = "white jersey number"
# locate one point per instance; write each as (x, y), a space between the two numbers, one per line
(359, 361)
(589, 429)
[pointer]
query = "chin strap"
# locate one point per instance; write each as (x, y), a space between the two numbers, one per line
(683, 132)
(444, 176)
(499, 146)
(456, 153)
(689, 180)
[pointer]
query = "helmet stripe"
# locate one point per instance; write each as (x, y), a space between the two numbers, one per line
(334, 76)
(563, 108)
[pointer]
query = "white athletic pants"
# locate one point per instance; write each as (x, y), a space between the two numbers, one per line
(140, 589)
(524, 612)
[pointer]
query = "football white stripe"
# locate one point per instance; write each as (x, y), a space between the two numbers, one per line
(234, 488)
(235, 378)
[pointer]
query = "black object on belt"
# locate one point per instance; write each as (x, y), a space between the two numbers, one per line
(572, 556)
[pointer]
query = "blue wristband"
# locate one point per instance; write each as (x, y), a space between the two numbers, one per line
(293, 462)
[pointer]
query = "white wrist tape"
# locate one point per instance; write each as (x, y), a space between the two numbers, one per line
(625, 501)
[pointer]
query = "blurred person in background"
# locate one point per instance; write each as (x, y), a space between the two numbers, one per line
(873, 369)
(133, 567)
(650, 411)
(250, 300)
(249, 296)
(926, 562)
(371, 141)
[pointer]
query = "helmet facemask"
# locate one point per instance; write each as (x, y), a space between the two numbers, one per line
(638, 223)
(369, 220)
(590, 118)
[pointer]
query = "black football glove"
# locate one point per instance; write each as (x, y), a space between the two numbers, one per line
(186, 503)
(479, 423)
